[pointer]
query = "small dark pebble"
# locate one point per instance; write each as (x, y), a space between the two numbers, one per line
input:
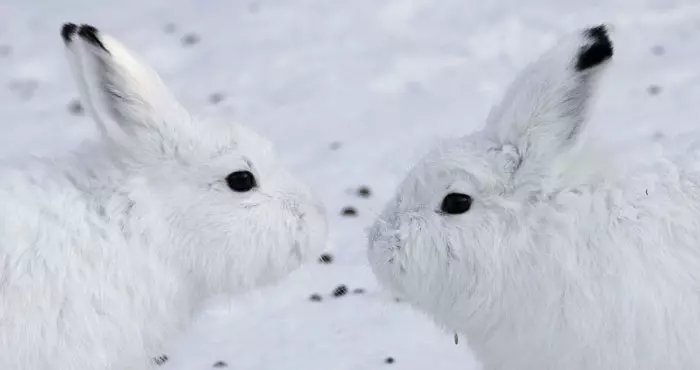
(340, 291)
(315, 298)
(336, 145)
(364, 191)
(325, 258)
(658, 50)
(358, 291)
(654, 89)
(216, 98)
(349, 211)
(170, 28)
(190, 39)
(389, 360)
(76, 108)
(160, 360)
(220, 364)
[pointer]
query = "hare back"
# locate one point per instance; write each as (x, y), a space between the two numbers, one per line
(74, 293)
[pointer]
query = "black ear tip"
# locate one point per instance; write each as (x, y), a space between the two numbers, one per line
(599, 51)
(90, 34)
(67, 31)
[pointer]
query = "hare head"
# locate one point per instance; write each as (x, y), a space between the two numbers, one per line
(453, 232)
(211, 197)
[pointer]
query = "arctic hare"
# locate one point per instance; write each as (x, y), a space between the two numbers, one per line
(545, 256)
(104, 253)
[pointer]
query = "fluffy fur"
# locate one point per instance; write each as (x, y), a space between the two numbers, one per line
(568, 258)
(105, 253)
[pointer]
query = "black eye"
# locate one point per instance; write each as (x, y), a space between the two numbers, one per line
(241, 181)
(456, 203)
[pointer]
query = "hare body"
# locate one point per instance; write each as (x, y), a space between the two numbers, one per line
(105, 253)
(82, 285)
(546, 253)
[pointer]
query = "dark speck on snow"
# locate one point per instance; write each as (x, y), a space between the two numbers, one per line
(220, 364)
(389, 360)
(190, 39)
(216, 98)
(75, 108)
(160, 360)
(340, 291)
(349, 211)
(315, 298)
(364, 192)
(326, 258)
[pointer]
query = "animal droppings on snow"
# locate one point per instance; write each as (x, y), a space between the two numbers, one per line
(364, 192)
(220, 364)
(340, 291)
(389, 360)
(190, 39)
(160, 360)
(216, 98)
(326, 258)
(315, 298)
(349, 211)
(75, 108)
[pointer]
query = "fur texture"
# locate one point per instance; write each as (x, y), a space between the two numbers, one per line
(105, 253)
(568, 258)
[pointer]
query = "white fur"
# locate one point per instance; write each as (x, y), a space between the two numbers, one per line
(105, 253)
(567, 259)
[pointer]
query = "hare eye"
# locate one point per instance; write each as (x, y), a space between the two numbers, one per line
(456, 203)
(241, 181)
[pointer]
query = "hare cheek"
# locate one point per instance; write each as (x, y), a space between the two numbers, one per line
(385, 255)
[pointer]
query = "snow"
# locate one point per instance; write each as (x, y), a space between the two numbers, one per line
(352, 92)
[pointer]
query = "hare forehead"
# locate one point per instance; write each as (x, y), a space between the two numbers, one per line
(463, 160)
(226, 139)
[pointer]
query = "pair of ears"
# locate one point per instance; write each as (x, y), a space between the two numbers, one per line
(541, 114)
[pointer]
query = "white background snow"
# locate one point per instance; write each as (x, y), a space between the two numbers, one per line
(352, 92)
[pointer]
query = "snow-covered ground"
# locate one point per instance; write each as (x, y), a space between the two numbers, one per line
(352, 92)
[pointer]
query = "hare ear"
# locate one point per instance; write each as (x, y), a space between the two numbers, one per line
(544, 110)
(125, 97)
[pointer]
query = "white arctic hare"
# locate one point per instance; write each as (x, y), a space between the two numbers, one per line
(544, 256)
(104, 254)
